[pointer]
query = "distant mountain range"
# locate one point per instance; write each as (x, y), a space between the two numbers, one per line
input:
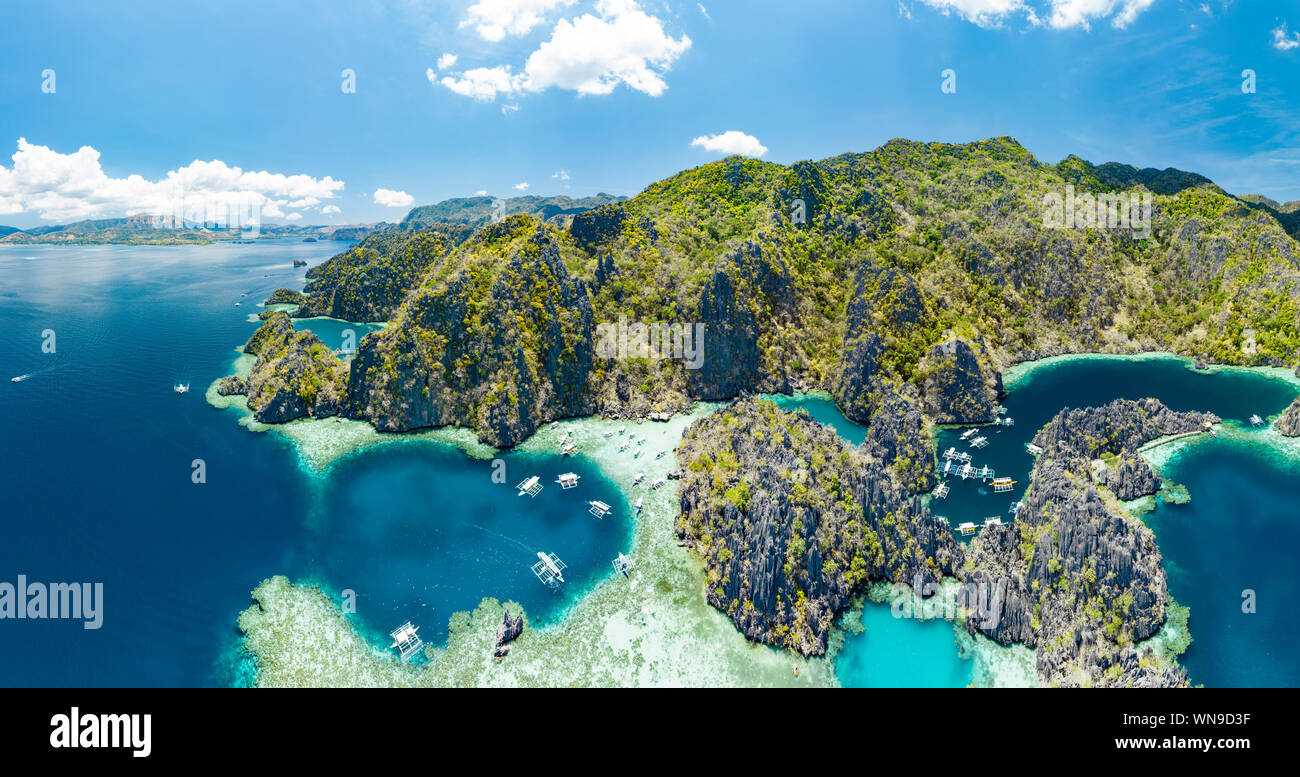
(468, 211)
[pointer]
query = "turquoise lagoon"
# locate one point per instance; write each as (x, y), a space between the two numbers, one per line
(1239, 532)
(101, 491)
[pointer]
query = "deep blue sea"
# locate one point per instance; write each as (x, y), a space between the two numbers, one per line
(96, 478)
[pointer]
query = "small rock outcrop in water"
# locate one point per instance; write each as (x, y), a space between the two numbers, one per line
(792, 521)
(294, 376)
(285, 297)
(230, 385)
(1288, 424)
(1074, 576)
(508, 631)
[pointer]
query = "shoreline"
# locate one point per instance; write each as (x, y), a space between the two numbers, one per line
(604, 625)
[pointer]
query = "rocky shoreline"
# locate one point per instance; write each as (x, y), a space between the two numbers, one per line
(792, 522)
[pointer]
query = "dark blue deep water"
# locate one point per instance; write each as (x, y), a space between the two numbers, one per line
(96, 478)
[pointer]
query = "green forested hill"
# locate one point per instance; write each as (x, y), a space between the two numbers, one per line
(916, 273)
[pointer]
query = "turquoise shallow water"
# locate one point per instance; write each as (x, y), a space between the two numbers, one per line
(420, 531)
(1240, 531)
(902, 653)
(98, 489)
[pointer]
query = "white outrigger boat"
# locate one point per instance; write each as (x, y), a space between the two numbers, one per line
(549, 570)
(622, 565)
(19, 379)
(181, 388)
(966, 435)
(406, 640)
(532, 486)
(639, 477)
(640, 502)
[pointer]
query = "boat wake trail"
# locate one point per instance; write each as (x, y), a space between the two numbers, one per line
(497, 534)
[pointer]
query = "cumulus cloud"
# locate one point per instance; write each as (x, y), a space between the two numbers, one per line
(563, 175)
(328, 209)
(447, 60)
(68, 187)
(522, 186)
(481, 193)
(731, 142)
(1282, 42)
(293, 217)
(495, 19)
(481, 83)
(1058, 14)
(392, 199)
(591, 54)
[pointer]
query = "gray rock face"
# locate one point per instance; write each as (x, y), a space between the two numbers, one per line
(500, 353)
(1131, 478)
(1289, 422)
(792, 521)
(1121, 427)
(509, 630)
(1075, 577)
(231, 385)
(294, 376)
(750, 281)
(956, 390)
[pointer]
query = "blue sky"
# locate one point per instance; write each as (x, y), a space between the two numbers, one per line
(612, 92)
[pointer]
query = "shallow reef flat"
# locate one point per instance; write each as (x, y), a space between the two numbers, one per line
(654, 629)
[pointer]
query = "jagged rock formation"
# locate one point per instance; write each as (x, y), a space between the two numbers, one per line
(499, 341)
(509, 630)
(286, 297)
(910, 274)
(791, 521)
(294, 376)
(1075, 577)
(369, 281)
(957, 391)
(231, 385)
(1288, 424)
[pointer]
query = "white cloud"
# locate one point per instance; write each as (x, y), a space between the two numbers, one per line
(562, 175)
(447, 60)
(1079, 13)
(589, 54)
(482, 83)
(522, 186)
(731, 142)
(904, 11)
(391, 199)
(481, 193)
(506, 110)
(1282, 42)
(293, 217)
(593, 55)
(1060, 14)
(985, 13)
(495, 19)
(328, 209)
(68, 187)
(704, 11)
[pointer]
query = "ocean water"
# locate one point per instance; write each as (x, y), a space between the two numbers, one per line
(98, 453)
(96, 477)
(1238, 533)
(420, 531)
(1077, 383)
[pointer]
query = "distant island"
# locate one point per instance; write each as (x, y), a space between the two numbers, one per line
(142, 229)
